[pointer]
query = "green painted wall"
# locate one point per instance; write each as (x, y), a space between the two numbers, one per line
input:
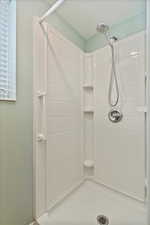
(16, 121)
(122, 30)
(16, 127)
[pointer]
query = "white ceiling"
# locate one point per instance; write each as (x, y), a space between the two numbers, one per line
(83, 15)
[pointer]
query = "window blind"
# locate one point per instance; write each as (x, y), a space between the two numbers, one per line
(7, 76)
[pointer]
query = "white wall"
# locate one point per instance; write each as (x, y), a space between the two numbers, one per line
(120, 148)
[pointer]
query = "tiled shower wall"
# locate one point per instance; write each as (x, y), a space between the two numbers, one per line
(64, 118)
(120, 148)
(78, 130)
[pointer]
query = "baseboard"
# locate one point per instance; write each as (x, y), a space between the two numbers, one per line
(34, 223)
(42, 219)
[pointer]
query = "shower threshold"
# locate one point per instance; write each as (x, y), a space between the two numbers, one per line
(88, 201)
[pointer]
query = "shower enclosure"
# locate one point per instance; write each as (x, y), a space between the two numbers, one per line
(88, 170)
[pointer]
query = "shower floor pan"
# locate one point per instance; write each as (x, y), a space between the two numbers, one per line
(90, 200)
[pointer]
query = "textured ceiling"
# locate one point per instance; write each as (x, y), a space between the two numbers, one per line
(83, 15)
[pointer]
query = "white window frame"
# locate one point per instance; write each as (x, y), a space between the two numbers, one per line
(11, 53)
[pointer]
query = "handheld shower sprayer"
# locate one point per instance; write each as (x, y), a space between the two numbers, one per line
(114, 115)
(104, 29)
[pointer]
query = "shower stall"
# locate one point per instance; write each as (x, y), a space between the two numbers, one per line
(90, 128)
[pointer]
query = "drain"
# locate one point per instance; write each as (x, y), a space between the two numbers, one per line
(102, 220)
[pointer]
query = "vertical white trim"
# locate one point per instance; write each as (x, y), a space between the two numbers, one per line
(35, 173)
(81, 102)
(148, 102)
(45, 33)
(39, 119)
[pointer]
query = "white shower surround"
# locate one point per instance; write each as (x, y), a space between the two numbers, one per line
(79, 101)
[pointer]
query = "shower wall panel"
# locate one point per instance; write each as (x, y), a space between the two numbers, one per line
(74, 117)
(120, 148)
(64, 118)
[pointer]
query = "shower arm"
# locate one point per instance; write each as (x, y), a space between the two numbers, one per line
(51, 10)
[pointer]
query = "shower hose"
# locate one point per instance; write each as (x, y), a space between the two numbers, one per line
(113, 85)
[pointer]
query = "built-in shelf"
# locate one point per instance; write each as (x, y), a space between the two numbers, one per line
(41, 94)
(89, 110)
(88, 163)
(88, 115)
(88, 86)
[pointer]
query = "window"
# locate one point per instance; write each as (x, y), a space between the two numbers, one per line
(8, 50)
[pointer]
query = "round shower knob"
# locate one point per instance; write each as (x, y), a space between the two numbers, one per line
(115, 115)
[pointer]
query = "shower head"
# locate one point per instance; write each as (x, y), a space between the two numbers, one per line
(102, 28)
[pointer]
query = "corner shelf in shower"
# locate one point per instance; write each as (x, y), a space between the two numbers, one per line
(41, 94)
(88, 98)
(88, 163)
(88, 116)
(89, 110)
(88, 86)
